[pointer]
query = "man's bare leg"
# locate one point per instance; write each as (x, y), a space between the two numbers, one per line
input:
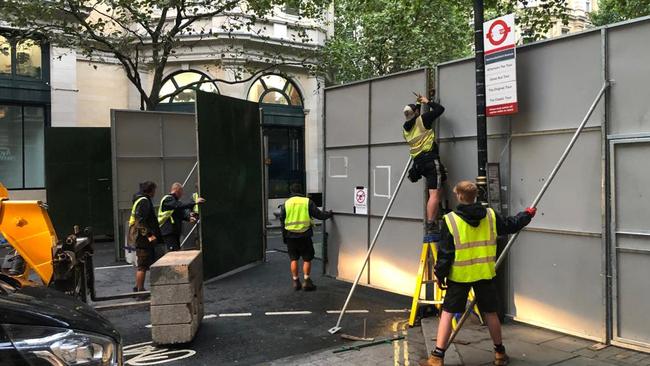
(494, 326)
(444, 330)
(306, 268)
(294, 269)
(139, 279)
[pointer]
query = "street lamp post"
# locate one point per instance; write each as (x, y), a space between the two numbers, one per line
(481, 125)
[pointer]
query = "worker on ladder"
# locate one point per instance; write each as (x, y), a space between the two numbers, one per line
(418, 133)
(296, 217)
(466, 259)
(171, 214)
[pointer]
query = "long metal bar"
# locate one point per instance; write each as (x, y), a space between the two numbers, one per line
(191, 172)
(337, 327)
(481, 120)
(191, 231)
(550, 178)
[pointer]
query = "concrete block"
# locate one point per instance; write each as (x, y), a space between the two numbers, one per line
(176, 313)
(175, 294)
(174, 333)
(177, 268)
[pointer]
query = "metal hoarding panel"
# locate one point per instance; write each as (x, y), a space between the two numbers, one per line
(132, 172)
(388, 98)
(137, 134)
(629, 60)
(572, 202)
(387, 164)
(347, 246)
(179, 136)
(555, 282)
(395, 259)
(632, 181)
(557, 83)
(347, 115)
(346, 169)
(633, 322)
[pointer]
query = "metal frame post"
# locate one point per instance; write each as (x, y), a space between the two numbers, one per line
(337, 327)
(548, 181)
(481, 124)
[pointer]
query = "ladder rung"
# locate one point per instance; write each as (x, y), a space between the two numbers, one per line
(429, 281)
(430, 302)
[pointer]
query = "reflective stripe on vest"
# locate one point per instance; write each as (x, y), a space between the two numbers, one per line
(419, 138)
(164, 215)
(195, 197)
(297, 218)
(135, 205)
(476, 248)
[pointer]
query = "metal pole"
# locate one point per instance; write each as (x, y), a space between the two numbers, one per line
(190, 174)
(481, 124)
(337, 327)
(190, 233)
(550, 178)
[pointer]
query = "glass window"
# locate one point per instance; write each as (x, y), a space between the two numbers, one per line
(22, 146)
(5, 56)
(28, 59)
(275, 89)
(177, 86)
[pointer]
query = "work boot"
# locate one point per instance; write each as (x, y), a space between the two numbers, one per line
(433, 361)
(296, 284)
(501, 359)
(309, 285)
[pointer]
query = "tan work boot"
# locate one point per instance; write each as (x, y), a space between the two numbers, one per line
(433, 361)
(501, 359)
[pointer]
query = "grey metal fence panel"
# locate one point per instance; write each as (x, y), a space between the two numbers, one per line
(557, 81)
(387, 164)
(629, 65)
(394, 262)
(346, 109)
(347, 246)
(554, 283)
(632, 277)
(345, 169)
(388, 98)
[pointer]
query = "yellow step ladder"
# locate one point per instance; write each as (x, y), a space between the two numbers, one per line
(425, 276)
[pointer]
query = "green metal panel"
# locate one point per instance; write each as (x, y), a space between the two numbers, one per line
(78, 178)
(230, 179)
(283, 115)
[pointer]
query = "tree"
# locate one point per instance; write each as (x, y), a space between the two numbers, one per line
(144, 35)
(378, 37)
(612, 11)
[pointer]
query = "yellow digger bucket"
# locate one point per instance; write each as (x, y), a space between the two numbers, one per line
(27, 227)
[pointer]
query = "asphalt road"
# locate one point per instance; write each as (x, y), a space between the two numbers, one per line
(258, 337)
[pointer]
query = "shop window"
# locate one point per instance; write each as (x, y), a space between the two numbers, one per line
(21, 57)
(5, 56)
(182, 86)
(22, 156)
(275, 89)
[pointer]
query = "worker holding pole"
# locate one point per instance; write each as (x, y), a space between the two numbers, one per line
(466, 259)
(296, 217)
(171, 214)
(419, 134)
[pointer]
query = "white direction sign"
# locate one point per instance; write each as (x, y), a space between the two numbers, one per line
(500, 66)
(361, 200)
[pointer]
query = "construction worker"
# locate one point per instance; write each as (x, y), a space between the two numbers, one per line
(418, 133)
(171, 214)
(143, 226)
(296, 216)
(466, 259)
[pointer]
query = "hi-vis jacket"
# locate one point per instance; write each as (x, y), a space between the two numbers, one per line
(419, 138)
(471, 258)
(296, 222)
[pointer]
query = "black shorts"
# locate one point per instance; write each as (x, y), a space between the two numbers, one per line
(146, 257)
(300, 247)
(429, 166)
(456, 296)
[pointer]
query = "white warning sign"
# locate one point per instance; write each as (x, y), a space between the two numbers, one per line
(361, 200)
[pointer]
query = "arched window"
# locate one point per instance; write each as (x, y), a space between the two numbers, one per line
(177, 83)
(275, 89)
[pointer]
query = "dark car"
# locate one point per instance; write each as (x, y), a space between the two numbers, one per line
(42, 326)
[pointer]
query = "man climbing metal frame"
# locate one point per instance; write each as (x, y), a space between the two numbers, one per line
(418, 131)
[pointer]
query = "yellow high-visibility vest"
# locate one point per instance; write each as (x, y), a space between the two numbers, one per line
(419, 138)
(135, 205)
(297, 218)
(195, 197)
(164, 215)
(476, 248)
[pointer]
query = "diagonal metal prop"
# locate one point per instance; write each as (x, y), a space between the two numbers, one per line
(550, 178)
(337, 327)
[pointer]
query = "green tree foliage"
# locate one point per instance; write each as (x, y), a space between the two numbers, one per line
(612, 11)
(146, 34)
(379, 37)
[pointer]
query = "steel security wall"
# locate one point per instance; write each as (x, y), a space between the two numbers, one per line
(364, 147)
(558, 269)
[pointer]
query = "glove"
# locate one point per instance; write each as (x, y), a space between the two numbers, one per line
(414, 175)
(531, 211)
(442, 283)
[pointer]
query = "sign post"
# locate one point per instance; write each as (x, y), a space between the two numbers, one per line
(500, 66)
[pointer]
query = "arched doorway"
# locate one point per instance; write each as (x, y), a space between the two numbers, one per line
(180, 88)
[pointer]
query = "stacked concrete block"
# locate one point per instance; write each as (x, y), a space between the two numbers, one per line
(176, 297)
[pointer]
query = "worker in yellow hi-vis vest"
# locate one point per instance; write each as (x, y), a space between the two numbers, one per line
(145, 232)
(419, 134)
(466, 259)
(296, 216)
(171, 214)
